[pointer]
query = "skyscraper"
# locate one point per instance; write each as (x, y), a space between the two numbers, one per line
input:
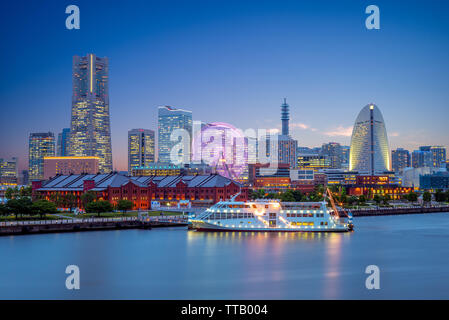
(9, 174)
(62, 147)
(169, 120)
(40, 145)
(140, 148)
(90, 133)
(421, 159)
(369, 153)
(438, 156)
(400, 159)
(333, 151)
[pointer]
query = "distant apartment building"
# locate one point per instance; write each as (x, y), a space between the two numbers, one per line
(438, 156)
(345, 151)
(141, 148)
(400, 159)
(333, 151)
(313, 161)
(171, 119)
(421, 158)
(9, 171)
(70, 165)
(40, 145)
(62, 146)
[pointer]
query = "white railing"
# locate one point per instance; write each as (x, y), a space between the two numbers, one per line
(65, 221)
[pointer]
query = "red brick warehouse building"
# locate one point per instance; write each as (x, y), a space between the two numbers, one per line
(201, 190)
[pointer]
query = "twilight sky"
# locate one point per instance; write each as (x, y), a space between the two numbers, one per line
(230, 61)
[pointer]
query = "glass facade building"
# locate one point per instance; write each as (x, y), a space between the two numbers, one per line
(140, 148)
(90, 133)
(400, 159)
(9, 173)
(370, 153)
(169, 120)
(62, 147)
(40, 145)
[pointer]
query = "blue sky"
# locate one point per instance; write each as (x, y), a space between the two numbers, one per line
(231, 61)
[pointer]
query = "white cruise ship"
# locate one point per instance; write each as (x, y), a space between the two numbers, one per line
(272, 215)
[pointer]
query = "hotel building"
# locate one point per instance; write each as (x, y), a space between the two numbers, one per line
(40, 145)
(90, 133)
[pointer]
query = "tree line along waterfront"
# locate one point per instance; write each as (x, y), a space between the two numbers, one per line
(351, 201)
(20, 204)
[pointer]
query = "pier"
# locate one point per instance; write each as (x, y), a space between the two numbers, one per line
(89, 224)
(364, 212)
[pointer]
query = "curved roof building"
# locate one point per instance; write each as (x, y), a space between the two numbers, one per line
(370, 153)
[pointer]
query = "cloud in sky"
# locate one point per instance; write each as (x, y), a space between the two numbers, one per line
(340, 131)
(302, 126)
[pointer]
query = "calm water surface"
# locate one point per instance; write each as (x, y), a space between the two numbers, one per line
(412, 252)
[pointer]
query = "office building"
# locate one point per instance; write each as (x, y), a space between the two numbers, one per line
(141, 148)
(400, 159)
(9, 174)
(70, 165)
(62, 146)
(177, 122)
(90, 132)
(370, 153)
(421, 159)
(40, 145)
(333, 151)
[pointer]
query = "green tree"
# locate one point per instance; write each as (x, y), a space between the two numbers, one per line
(69, 201)
(352, 200)
(99, 207)
(88, 197)
(377, 199)
(287, 196)
(386, 198)
(12, 193)
(42, 207)
(297, 195)
(3, 210)
(19, 206)
(426, 197)
(124, 205)
(362, 200)
(440, 196)
(412, 197)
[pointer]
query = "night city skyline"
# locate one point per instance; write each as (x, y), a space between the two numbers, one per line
(232, 63)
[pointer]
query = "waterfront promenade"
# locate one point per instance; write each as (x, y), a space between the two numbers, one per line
(89, 224)
(385, 211)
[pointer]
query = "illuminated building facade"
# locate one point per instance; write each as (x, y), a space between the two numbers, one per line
(370, 153)
(90, 133)
(381, 185)
(422, 159)
(9, 173)
(313, 161)
(40, 145)
(157, 169)
(200, 190)
(62, 146)
(333, 152)
(438, 155)
(400, 159)
(141, 152)
(169, 120)
(70, 165)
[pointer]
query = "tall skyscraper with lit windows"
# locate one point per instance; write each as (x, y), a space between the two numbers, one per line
(40, 145)
(169, 120)
(62, 147)
(370, 153)
(140, 148)
(90, 133)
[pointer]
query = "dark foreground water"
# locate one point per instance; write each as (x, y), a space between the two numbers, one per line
(412, 252)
